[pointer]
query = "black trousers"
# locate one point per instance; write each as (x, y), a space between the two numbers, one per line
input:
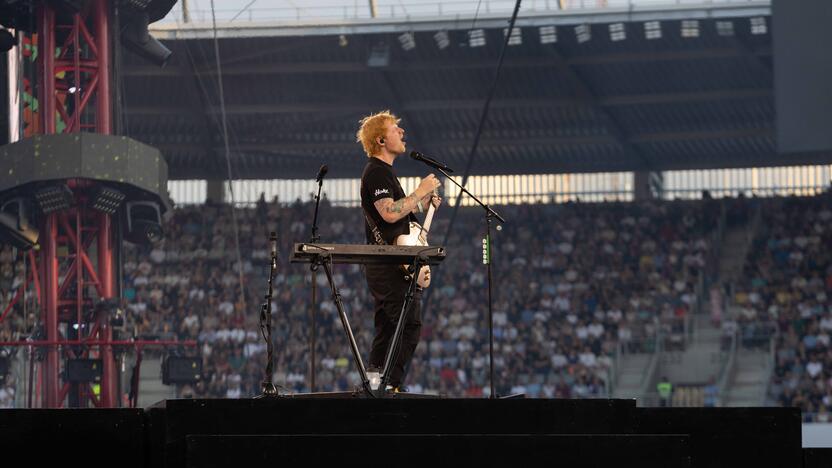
(389, 288)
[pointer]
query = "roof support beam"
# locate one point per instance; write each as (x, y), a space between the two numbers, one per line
(465, 104)
(286, 68)
(348, 146)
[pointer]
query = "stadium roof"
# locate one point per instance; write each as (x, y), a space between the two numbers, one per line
(293, 95)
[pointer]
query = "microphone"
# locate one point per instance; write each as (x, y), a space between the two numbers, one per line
(429, 161)
(321, 173)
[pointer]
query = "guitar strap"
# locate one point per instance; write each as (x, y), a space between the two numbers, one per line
(373, 228)
(380, 241)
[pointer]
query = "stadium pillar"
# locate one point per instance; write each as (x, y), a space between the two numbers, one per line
(647, 185)
(216, 190)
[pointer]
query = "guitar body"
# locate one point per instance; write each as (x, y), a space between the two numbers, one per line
(418, 236)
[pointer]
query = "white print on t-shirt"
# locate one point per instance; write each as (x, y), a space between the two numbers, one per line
(380, 191)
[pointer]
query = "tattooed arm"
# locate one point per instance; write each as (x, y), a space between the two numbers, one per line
(392, 211)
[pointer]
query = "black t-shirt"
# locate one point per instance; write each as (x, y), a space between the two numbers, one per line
(379, 181)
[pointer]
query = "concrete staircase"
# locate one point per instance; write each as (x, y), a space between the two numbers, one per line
(750, 379)
(701, 359)
(734, 250)
(151, 389)
(733, 253)
(631, 374)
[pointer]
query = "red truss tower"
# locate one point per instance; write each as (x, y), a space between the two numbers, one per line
(73, 192)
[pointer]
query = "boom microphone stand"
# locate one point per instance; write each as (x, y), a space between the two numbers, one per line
(314, 268)
(486, 259)
(268, 387)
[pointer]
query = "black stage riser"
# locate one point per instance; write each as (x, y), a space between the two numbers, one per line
(817, 457)
(176, 433)
(731, 437)
(399, 416)
(67, 437)
(458, 450)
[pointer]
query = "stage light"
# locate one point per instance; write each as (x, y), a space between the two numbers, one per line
(617, 32)
(725, 28)
(107, 199)
(144, 223)
(516, 36)
(548, 34)
(442, 39)
(690, 28)
(379, 55)
(758, 25)
(19, 236)
(54, 198)
(138, 40)
(155, 9)
(652, 30)
(138, 14)
(583, 33)
(15, 227)
(408, 41)
(476, 38)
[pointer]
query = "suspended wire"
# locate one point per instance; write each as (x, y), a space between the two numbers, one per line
(476, 14)
(242, 10)
(224, 120)
(477, 136)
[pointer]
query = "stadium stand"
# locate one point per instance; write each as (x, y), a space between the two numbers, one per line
(784, 294)
(605, 274)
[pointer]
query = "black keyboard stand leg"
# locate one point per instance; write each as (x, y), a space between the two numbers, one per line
(336, 297)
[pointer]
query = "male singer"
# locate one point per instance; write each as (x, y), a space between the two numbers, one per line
(388, 212)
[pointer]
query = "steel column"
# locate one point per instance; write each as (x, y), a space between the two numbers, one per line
(105, 333)
(50, 369)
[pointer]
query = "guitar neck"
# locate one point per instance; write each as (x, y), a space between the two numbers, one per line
(428, 218)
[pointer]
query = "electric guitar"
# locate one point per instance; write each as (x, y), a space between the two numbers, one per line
(418, 236)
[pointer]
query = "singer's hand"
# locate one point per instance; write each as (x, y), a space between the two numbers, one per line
(429, 184)
(436, 200)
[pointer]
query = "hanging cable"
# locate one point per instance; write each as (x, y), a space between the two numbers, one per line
(475, 145)
(224, 120)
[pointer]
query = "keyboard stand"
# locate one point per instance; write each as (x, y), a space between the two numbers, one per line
(324, 259)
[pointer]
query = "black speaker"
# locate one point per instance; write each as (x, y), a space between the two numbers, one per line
(181, 370)
(4, 368)
(83, 370)
(144, 222)
(14, 226)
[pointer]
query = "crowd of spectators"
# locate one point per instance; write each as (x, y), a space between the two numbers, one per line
(785, 294)
(573, 283)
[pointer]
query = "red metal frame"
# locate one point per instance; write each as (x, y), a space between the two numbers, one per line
(74, 276)
(75, 265)
(82, 65)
